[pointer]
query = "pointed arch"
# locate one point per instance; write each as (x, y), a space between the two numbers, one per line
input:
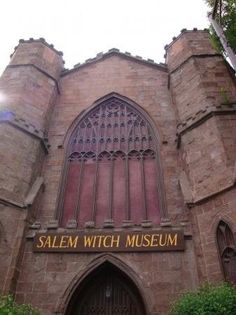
(227, 250)
(74, 291)
(112, 167)
(105, 98)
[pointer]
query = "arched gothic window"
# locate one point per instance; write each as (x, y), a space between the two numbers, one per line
(112, 172)
(227, 251)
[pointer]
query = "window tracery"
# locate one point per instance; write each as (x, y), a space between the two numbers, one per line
(227, 251)
(111, 171)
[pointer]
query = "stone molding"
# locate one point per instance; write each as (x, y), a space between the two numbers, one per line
(38, 69)
(10, 199)
(212, 195)
(32, 194)
(201, 116)
(199, 56)
(112, 52)
(53, 226)
(9, 117)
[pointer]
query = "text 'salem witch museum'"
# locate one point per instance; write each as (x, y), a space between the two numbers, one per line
(117, 179)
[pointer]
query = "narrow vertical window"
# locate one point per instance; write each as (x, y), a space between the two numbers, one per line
(112, 168)
(227, 251)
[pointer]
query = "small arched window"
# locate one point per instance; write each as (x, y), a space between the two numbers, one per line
(227, 251)
(112, 170)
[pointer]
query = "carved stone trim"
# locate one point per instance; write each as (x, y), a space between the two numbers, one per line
(9, 117)
(116, 52)
(207, 197)
(201, 116)
(40, 70)
(201, 56)
(33, 191)
(9, 199)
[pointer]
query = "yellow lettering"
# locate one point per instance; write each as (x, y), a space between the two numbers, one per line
(108, 237)
(47, 243)
(138, 240)
(146, 242)
(154, 240)
(63, 242)
(73, 242)
(161, 241)
(100, 237)
(54, 239)
(130, 241)
(88, 240)
(172, 241)
(94, 241)
(115, 239)
(41, 240)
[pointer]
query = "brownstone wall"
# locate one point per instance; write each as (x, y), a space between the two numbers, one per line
(198, 75)
(227, 128)
(204, 93)
(205, 218)
(12, 225)
(186, 45)
(160, 274)
(29, 86)
(145, 85)
(205, 161)
(187, 97)
(46, 279)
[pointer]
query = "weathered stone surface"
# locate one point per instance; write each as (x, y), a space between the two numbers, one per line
(190, 92)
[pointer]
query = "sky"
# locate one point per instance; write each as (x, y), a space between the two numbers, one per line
(83, 28)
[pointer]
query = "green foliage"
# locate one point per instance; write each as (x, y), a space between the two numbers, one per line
(9, 307)
(224, 96)
(208, 300)
(226, 17)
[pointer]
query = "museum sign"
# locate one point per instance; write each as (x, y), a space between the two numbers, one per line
(159, 240)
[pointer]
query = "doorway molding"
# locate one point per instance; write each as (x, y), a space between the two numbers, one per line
(144, 291)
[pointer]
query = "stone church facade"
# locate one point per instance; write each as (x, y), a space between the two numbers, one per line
(116, 149)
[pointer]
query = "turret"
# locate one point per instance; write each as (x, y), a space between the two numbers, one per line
(28, 87)
(204, 94)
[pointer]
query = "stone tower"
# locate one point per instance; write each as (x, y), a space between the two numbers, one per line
(204, 95)
(29, 86)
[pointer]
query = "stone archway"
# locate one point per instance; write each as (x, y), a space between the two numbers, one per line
(106, 291)
(69, 299)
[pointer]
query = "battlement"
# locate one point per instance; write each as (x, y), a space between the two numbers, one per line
(187, 44)
(40, 54)
(39, 40)
(114, 51)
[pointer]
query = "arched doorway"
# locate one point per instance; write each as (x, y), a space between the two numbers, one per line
(106, 291)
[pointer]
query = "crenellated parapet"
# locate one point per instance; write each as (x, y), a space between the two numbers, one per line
(39, 53)
(29, 83)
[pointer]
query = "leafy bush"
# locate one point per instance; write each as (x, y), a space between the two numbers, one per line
(208, 300)
(9, 307)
